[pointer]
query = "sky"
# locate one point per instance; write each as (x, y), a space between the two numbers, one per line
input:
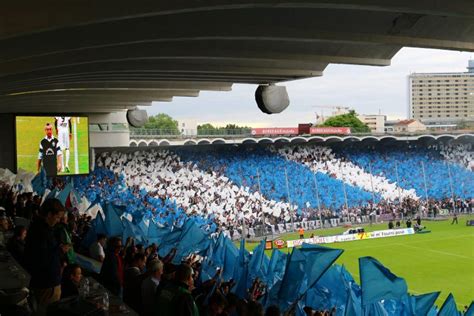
(366, 89)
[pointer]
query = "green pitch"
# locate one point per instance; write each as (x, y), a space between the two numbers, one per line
(30, 131)
(442, 260)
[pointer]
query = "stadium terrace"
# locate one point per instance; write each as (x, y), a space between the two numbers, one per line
(188, 204)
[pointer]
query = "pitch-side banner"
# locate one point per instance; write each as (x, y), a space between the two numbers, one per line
(352, 237)
(275, 131)
(330, 130)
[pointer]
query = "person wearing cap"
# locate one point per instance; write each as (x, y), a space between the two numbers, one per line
(175, 299)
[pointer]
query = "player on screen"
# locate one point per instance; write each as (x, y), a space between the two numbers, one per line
(64, 132)
(49, 152)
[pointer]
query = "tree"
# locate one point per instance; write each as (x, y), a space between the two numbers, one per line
(347, 120)
(229, 129)
(163, 122)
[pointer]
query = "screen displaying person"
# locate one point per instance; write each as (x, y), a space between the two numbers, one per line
(64, 132)
(49, 152)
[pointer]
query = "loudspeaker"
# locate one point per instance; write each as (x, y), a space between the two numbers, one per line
(272, 99)
(137, 117)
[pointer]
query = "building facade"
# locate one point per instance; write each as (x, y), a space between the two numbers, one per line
(409, 126)
(376, 122)
(438, 99)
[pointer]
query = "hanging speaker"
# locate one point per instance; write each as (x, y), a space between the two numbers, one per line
(272, 99)
(137, 117)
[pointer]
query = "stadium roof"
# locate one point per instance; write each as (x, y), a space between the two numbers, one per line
(100, 56)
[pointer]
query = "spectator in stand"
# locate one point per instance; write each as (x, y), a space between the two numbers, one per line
(111, 272)
(96, 250)
(71, 280)
(4, 229)
(273, 310)
(175, 299)
(16, 244)
(63, 235)
(42, 254)
(216, 306)
(154, 270)
(132, 281)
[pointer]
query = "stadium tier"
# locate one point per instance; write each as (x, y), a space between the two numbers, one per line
(228, 183)
(196, 201)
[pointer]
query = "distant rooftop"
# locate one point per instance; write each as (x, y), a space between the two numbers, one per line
(469, 72)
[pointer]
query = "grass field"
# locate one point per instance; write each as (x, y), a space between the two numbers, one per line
(442, 260)
(30, 131)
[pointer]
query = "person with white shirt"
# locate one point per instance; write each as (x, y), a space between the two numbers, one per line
(96, 250)
(154, 269)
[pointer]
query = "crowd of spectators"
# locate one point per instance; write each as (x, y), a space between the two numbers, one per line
(148, 283)
(222, 191)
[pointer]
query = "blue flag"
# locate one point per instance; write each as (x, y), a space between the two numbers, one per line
(39, 182)
(218, 257)
(156, 233)
(276, 267)
(292, 280)
(241, 271)
(169, 241)
(64, 194)
(353, 306)
(258, 264)
(113, 223)
(470, 310)
(449, 307)
(424, 302)
(378, 282)
(230, 260)
(318, 260)
(374, 309)
(329, 291)
(192, 240)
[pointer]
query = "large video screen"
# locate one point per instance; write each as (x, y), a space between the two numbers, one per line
(58, 144)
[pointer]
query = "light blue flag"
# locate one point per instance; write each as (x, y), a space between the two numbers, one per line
(131, 230)
(292, 280)
(113, 223)
(230, 260)
(329, 291)
(192, 240)
(169, 241)
(424, 302)
(378, 282)
(64, 194)
(241, 271)
(449, 307)
(156, 233)
(276, 267)
(470, 310)
(318, 260)
(258, 266)
(353, 306)
(374, 309)
(218, 256)
(39, 182)
(97, 227)
(52, 194)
